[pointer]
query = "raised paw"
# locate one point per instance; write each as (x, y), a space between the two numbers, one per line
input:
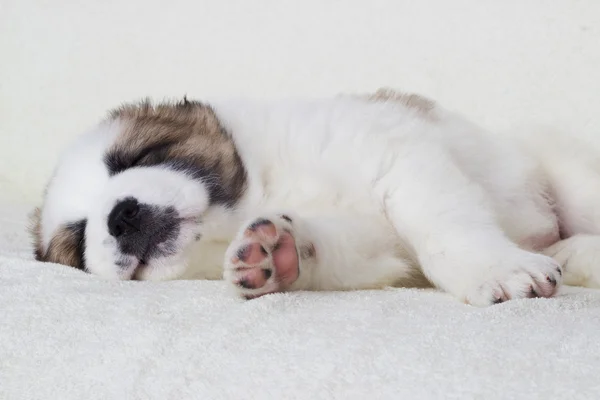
(263, 258)
(529, 275)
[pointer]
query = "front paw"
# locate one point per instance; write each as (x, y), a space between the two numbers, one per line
(263, 258)
(525, 276)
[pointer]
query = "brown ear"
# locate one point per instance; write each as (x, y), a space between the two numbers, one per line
(68, 245)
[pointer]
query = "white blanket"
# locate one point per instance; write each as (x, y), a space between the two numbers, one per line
(67, 335)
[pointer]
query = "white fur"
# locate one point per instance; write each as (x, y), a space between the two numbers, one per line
(379, 188)
(79, 178)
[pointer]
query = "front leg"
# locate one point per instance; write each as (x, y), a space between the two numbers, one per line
(319, 252)
(449, 220)
(268, 256)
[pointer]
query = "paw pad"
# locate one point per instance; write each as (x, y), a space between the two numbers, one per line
(264, 259)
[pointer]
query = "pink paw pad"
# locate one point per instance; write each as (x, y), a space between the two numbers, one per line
(267, 260)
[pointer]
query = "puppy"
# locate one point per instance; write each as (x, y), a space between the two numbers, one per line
(350, 192)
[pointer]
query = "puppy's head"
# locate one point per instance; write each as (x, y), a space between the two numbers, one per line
(128, 198)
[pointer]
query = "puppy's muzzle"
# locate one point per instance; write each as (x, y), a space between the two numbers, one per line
(142, 230)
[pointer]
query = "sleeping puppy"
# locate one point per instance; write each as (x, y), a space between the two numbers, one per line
(351, 192)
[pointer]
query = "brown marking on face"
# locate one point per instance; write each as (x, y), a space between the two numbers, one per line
(66, 246)
(188, 132)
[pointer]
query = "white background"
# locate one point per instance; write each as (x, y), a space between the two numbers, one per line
(63, 64)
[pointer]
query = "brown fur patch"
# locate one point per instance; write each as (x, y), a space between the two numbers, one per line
(188, 131)
(421, 104)
(66, 246)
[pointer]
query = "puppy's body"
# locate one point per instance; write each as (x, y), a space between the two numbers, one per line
(332, 194)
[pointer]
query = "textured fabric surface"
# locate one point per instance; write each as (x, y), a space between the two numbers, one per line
(67, 335)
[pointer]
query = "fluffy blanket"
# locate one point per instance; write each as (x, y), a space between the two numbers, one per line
(67, 335)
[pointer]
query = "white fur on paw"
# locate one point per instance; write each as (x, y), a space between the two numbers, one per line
(263, 258)
(527, 275)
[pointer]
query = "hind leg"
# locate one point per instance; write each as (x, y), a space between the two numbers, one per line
(579, 257)
(449, 221)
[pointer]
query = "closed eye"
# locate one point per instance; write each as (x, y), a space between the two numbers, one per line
(152, 155)
(119, 160)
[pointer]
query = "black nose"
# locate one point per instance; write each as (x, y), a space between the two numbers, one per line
(124, 217)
